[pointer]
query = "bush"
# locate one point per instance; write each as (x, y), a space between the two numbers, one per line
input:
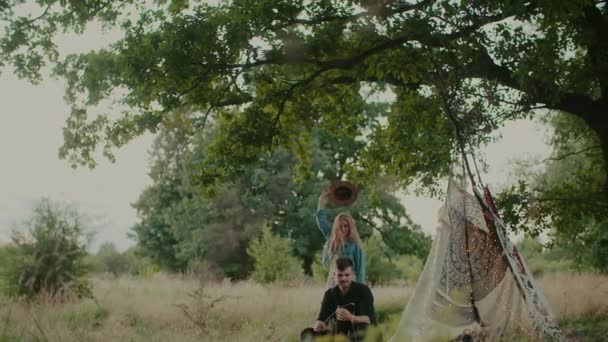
(9, 256)
(541, 261)
(140, 265)
(319, 272)
(409, 267)
(49, 257)
(109, 260)
(205, 271)
(379, 269)
(273, 260)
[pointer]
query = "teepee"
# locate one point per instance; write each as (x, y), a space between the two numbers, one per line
(475, 286)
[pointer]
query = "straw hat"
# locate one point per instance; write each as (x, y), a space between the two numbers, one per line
(343, 193)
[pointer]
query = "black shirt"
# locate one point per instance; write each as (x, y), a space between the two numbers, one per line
(358, 300)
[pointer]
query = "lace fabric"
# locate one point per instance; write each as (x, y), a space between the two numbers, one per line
(474, 282)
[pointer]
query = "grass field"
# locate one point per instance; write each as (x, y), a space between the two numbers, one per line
(172, 308)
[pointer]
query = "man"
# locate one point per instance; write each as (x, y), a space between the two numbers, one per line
(349, 303)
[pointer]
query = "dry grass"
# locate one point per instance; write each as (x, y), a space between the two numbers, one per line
(170, 308)
(164, 308)
(574, 295)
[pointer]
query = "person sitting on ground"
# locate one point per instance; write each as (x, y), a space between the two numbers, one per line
(349, 303)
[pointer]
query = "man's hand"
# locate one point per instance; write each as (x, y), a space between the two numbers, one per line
(319, 326)
(344, 315)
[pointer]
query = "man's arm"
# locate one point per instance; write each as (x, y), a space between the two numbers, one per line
(326, 309)
(345, 315)
(367, 306)
(360, 320)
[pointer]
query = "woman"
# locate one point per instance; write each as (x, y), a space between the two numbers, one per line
(342, 239)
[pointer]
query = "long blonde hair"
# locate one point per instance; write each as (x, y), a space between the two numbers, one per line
(337, 240)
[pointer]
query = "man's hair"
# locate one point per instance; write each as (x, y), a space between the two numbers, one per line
(343, 263)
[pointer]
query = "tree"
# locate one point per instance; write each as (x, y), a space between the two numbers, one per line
(268, 71)
(541, 260)
(48, 255)
(108, 259)
(180, 224)
(566, 197)
(380, 270)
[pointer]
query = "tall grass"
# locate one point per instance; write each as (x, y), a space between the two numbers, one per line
(574, 295)
(173, 308)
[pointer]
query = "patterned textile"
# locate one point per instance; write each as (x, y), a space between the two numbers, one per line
(475, 285)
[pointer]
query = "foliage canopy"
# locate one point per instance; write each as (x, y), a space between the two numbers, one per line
(566, 197)
(268, 71)
(178, 225)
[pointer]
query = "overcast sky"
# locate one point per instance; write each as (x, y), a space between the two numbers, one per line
(30, 135)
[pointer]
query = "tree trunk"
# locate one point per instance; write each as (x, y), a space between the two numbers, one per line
(603, 137)
(599, 124)
(595, 114)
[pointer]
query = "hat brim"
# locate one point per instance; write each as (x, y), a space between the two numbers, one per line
(343, 193)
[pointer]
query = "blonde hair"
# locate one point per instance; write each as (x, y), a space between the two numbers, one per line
(337, 240)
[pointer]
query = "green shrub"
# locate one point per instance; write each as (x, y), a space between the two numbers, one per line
(9, 256)
(85, 317)
(541, 260)
(590, 326)
(379, 269)
(409, 267)
(109, 260)
(319, 272)
(148, 269)
(48, 255)
(273, 260)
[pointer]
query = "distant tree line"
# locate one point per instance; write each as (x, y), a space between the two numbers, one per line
(182, 223)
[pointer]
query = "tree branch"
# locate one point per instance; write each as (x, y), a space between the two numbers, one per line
(591, 111)
(437, 40)
(577, 104)
(390, 79)
(215, 104)
(561, 157)
(401, 8)
(44, 13)
(317, 21)
(484, 67)
(596, 26)
(289, 92)
(594, 197)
